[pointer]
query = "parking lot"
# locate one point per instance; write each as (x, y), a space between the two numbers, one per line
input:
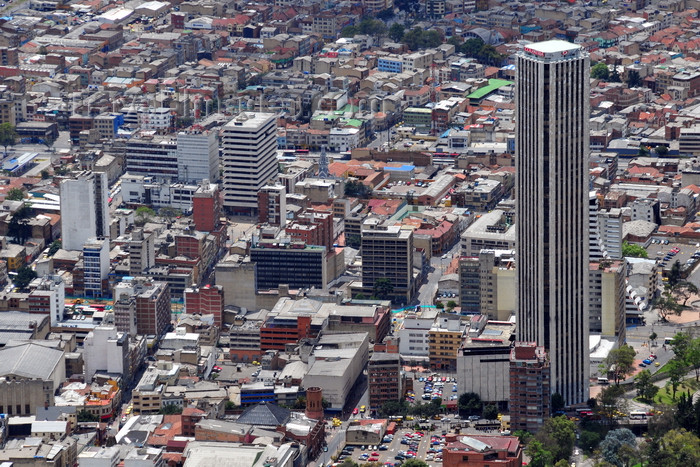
(668, 254)
(405, 444)
(446, 390)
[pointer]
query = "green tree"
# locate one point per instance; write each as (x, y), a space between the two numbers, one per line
(169, 213)
(439, 305)
(396, 32)
(143, 215)
(633, 79)
(652, 338)
(15, 194)
(349, 31)
(385, 14)
(684, 290)
(685, 412)
(620, 362)
(600, 71)
(55, 246)
(666, 304)
(646, 389)
(383, 288)
(680, 344)
(676, 372)
(300, 403)
(692, 357)
(391, 408)
(558, 402)
(615, 76)
(562, 463)
(661, 150)
(230, 405)
(677, 448)
(538, 454)
(470, 403)
(631, 250)
(589, 440)
(557, 435)
(45, 174)
(357, 189)
(353, 240)
(19, 227)
(414, 463)
(8, 135)
(24, 276)
(490, 412)
(85, 416)
(674, 277)
(613, 442)
(170, 409)
(611, 400)
(451, 305)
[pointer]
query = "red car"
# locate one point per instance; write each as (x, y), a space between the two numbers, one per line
(355, 411)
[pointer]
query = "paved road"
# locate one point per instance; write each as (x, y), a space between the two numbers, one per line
(427, 291)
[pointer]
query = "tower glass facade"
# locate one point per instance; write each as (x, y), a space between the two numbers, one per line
(552, 145)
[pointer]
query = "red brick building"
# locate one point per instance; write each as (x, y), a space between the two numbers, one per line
(206, 208)
(153, 309)
(529, 387)
(482, 451)
(206, 300)
(275, 334)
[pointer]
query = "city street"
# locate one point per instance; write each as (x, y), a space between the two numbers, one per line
(438, 264)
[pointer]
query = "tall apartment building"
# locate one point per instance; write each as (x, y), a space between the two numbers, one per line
(206, 300)
(249, 144)
(143, 304)
(206, 207)
(384, 379)
(294, 264)
(469, 284)
(610, 228)
(497, 282)
(387, 253)
(595, 243)
(607, 297)
(552, 145)
(272, 206)
(156, 156)
(84, 209)
(197, 155)
(142, 253)
(445, 338)
(95, 266)
(48, 297)
(529, 387)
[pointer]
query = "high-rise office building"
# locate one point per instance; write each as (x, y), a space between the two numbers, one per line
(249, 144)
(84, 209)
(387, 253)
(552, 145)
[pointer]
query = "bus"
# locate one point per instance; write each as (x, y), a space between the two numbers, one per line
(638, 415)
(302, 151)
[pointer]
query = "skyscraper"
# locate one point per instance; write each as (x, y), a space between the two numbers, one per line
(249, 145)
(552, 144)
(84, 209)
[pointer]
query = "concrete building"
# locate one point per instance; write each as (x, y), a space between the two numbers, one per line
(492, 231)
(607, 299)
(552, 145)
(414, 339)
(444, 340)
(197, 155)
(529, 387)
(272, 207)
(249, 144)
(482, 361)
(336, 363)
(469, 285)
(95, 266)
(106, 350)
(84, 209)
(142, 253)
(385, 379)
(387, 253)
(29, 376)
(155, 156)
(148, 311)
(294, 264)
(482, 450)
(610, 228)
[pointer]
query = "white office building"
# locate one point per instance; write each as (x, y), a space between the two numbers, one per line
(249, 144)
(84, 209)
(95, 265)
(552, 196)
(197, 155)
